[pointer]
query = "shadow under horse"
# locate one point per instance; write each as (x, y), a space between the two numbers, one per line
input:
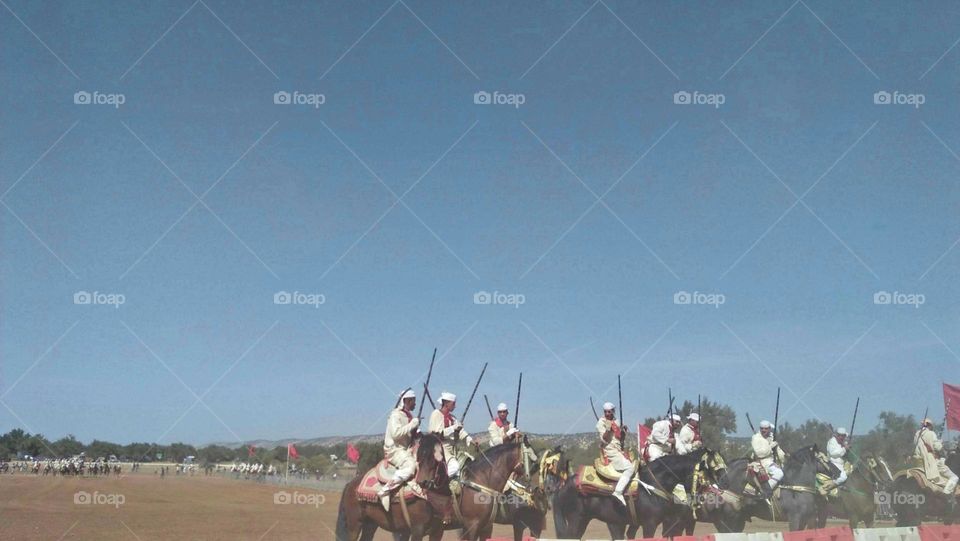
(573, 510)
(798, 499)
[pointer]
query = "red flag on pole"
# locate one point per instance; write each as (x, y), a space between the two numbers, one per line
(643, 432)
(951, 405)
(292, 451)
(353, 454)
(250, 452)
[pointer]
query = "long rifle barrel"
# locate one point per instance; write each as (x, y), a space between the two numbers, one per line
(516, 411)
(776, 414)
(853, 423)
(467, 409)
(426, 384)
(490, 411)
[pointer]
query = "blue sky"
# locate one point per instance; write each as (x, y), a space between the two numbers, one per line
(198, 198)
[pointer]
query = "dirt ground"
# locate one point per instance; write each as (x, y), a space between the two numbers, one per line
(145, 507)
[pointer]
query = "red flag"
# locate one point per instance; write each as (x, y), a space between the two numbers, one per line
(643, 432)
(353, 454)
(292, 451)
(250, 452)
(951, 405)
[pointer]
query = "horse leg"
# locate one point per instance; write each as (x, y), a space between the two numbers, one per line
(518, 530)
(632, 531)
(366, 532)
(616, 530)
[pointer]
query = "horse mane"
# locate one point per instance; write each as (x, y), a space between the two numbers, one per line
(489, 457)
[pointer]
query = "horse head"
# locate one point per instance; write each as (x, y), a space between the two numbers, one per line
(551, 470)
(431, 471)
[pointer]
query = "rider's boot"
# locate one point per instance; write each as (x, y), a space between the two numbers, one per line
(619, 497)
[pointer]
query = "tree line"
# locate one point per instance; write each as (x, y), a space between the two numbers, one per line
(891, 437)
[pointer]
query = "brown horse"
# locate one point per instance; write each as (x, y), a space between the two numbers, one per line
(359, 520)
(483, 482)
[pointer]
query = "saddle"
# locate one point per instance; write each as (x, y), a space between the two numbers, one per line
(920, 477)
(589, 481)
(378, 477)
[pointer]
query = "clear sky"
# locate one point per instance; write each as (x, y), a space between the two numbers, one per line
(198, 198)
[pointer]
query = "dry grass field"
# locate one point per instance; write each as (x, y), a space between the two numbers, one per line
(145, 507)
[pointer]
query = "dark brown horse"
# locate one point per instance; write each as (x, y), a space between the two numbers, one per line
(359, 520)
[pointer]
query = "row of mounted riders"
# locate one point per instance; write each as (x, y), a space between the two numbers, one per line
(512, 484)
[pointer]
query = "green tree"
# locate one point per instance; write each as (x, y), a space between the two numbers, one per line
(67, 446)
(892, 438)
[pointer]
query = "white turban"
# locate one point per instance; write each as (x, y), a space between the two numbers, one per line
(408, 394)
(449, 397)
(842, 431)
(675, 417)
(765, 424)
(694, 417)
(607, 406)
(502, 406)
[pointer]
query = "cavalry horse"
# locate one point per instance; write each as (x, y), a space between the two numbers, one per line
(796, 498)
(484, 495)
(912, 502)
(526, 508)
(648, 507)
(857, 498)
(359, 520)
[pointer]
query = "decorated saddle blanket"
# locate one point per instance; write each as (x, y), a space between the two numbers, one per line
(589, 481)
(378, 477)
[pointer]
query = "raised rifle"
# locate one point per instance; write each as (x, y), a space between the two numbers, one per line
(426, 384)
(776, 414)
(854, 421)
(489, 410)
(592, 407)
(516, 411)
(623, 433)
(749, 422)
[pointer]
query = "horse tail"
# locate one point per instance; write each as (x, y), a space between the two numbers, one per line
(342, 533)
